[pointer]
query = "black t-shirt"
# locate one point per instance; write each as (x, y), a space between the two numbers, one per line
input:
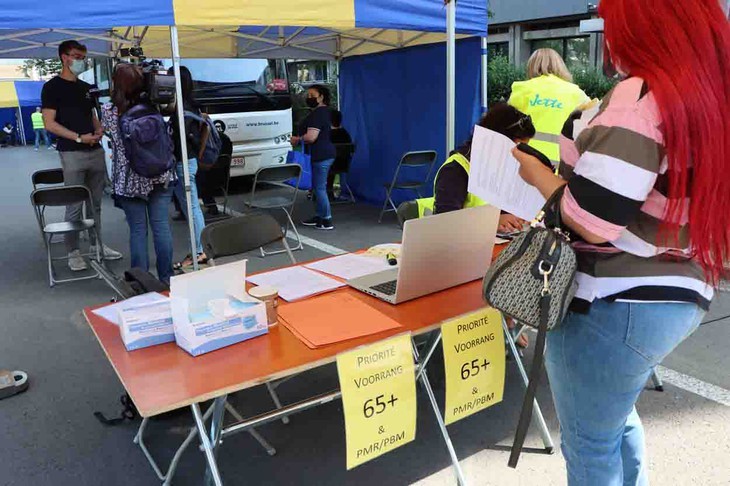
(73, 106)
(322, 148)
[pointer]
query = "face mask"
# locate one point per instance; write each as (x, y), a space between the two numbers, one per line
(77, 66)
(312, 102)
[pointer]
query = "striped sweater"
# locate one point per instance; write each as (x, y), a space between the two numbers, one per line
(617, 173)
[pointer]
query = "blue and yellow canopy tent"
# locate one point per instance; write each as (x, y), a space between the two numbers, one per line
(312, 29)
(18, 99)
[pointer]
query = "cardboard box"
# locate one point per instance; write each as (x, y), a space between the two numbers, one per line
(202, 332)
(197, 329)
(146, 324)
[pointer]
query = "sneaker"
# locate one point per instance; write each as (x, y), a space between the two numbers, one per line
(109, 254)
(76, 262)
(325, 224)
(36, 150)
(311, 222)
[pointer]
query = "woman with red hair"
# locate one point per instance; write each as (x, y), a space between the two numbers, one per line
(648, 203)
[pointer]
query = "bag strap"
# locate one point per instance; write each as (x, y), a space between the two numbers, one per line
(537, 363)
(552, 206)
(204, 134)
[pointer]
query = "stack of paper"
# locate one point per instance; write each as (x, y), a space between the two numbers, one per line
(494, 176)
(296, 283)
(333, 318)
(350, 266)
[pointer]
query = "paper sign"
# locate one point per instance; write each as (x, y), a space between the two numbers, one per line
(378, 385)
(475, 363)
(494, 176)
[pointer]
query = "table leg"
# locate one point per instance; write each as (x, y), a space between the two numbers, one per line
(435, 406)
(167, 476)
(212, 470)
(536, 412)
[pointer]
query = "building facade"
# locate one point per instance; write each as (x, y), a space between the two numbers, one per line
(517, 29)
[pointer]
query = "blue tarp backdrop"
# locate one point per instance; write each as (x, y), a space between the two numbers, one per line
(394, 102)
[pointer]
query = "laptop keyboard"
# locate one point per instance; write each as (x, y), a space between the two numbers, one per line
(387, 288)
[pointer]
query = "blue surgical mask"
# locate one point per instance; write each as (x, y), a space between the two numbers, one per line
(77, 66)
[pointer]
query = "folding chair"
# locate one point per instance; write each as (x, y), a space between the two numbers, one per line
(242, 234)
(47, 177)
(217, 180)
(64, 196)
(239, 235)
(343, 160)
(286, 196)
(410, 160)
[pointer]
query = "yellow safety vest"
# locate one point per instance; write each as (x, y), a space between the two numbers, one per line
(37, 120)
(549, 100)
(426, 206)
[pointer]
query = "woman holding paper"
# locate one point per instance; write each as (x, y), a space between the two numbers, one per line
(649, 250)
(452, 179)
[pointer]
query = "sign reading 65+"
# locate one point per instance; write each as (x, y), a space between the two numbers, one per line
(475, 363)
(379, 398)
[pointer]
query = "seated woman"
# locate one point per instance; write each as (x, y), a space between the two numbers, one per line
(452, 179)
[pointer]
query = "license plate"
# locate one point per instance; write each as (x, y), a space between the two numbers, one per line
(238, 161)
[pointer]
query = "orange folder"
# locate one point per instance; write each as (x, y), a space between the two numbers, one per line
(311, 320)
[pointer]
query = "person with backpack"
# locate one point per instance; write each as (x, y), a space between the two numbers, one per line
(142, 168)
(203, 148)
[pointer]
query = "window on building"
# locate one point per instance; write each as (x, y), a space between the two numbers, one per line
(574, 50)
(554, 44)
(498, 49)
(577, 52)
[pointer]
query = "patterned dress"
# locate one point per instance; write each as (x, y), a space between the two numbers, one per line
(125, 181)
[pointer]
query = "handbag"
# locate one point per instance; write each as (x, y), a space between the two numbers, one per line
(533, 281)
(304, 159)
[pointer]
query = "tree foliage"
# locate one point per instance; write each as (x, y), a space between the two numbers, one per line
(44, 67)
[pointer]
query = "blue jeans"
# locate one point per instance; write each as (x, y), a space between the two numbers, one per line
(40, 132)
(152, 212)
(198, 220)
(598, 364)
(320, 170)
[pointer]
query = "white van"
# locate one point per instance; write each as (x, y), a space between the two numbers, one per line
(249, 100)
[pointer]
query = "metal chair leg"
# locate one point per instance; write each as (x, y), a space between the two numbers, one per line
(298, 239)
(385, 203)
(51, 281)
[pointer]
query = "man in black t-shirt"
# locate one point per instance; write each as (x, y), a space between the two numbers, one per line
(68, 113)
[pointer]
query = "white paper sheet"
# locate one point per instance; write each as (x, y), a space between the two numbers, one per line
(296, 283)
(350, 266)
(111, 312)
(494, 176)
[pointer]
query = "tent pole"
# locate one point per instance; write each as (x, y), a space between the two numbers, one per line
(183, 142)
(485, 75)
(21, 127)
(450, 75)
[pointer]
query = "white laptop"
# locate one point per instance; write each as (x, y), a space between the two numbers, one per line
(438, 252)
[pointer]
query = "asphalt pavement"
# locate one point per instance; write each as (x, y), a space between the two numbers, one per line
(49, 436)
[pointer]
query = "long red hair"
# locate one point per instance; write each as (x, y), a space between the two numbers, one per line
(681, 48)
